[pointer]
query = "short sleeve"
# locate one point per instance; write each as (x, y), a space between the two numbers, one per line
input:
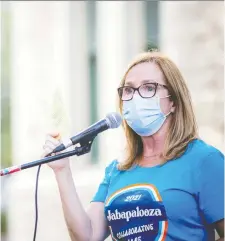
(211, 187)
(102, 191)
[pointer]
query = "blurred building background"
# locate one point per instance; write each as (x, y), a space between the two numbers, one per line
(61, 65)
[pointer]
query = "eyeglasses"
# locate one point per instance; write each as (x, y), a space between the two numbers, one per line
(147, 90)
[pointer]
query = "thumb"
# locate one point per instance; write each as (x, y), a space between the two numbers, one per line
(55, 134)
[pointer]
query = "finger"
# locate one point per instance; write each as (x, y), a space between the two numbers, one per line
(47, 149)
(51, 145)
(53, 140)
(54, 134)
(46, 153)
(58, 137)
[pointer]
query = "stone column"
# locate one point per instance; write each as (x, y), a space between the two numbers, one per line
(39, 101)
(120, 36)
(79, 106)
(136, 30)
(192, 35)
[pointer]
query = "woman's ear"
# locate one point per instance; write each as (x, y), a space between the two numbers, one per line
(173, 107)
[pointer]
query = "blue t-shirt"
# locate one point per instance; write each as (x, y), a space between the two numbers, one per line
(177, 201)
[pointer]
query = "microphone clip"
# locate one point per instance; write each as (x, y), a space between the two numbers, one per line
(85, 146)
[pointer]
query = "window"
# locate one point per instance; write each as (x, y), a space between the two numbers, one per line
(91, 22)
(152, 24)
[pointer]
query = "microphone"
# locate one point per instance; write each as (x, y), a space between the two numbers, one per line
(111, 121)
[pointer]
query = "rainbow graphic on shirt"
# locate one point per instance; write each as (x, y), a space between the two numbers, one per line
(136, 213)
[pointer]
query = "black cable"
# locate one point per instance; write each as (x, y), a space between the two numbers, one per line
(36, 203)
(75, 152)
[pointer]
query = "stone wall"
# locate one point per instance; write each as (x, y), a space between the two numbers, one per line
(192, 33)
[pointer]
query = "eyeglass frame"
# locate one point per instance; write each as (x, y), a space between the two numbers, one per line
(154, 83)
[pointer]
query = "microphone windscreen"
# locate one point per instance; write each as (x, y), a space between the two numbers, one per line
(114, 120)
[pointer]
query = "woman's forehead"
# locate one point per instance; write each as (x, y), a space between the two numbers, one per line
(145, 71)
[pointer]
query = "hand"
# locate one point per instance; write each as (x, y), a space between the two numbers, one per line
(52, 141)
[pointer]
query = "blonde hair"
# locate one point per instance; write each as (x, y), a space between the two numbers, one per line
(183, 127)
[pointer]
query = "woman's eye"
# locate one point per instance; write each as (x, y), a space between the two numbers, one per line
(127, 90)
(149, 88)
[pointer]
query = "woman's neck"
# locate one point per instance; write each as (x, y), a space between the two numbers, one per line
(152, 151)
(153, 147)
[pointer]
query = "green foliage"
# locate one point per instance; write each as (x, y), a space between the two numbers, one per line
(3, 223)
(93, 103)
(5, 91)
(6, 159)
(151, 47)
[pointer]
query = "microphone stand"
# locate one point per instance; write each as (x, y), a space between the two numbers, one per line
(85, 147)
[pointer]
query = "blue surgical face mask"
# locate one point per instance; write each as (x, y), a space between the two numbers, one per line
(144, 115)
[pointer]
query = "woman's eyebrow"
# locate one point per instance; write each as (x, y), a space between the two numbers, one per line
(144, 81)
(148, 81)
(128, 83)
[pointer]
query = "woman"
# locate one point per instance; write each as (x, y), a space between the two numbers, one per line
(169, 186)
